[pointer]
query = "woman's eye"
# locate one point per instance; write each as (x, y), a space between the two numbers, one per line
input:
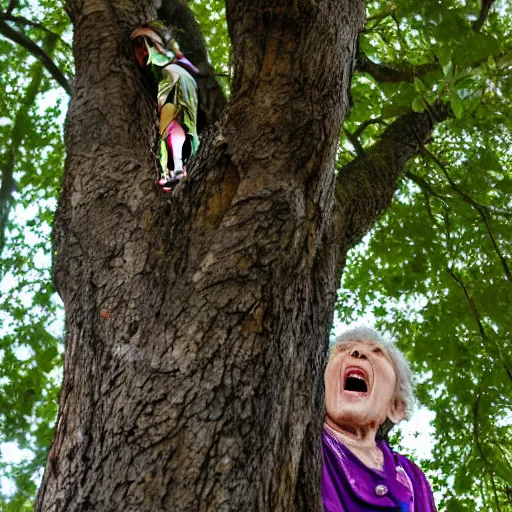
(377, 351)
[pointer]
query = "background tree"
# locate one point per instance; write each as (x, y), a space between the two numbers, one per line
(441, 251)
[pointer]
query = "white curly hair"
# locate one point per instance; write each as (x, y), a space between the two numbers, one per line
(404, 390)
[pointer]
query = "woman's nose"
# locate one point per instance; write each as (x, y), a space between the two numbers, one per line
(358, 354)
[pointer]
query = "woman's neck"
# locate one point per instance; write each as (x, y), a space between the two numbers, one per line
(363, 437)
(360, 441)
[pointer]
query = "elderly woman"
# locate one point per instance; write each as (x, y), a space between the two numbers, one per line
(368, 389)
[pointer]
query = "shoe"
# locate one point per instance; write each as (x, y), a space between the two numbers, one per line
(174, 178)
(162, 181)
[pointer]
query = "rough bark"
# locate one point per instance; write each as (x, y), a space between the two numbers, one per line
(197, 324)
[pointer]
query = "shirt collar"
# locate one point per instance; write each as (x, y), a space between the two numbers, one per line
(364, 481)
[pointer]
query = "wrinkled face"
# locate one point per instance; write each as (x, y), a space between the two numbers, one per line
(360, 383)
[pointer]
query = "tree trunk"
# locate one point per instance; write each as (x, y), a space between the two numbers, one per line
(197, 323)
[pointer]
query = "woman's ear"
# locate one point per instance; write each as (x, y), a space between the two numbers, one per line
(396, 410)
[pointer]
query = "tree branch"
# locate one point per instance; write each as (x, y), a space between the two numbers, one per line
(456, 277)
(20, 20)
(407, 72)
(354, 140)
(384, 73)
(362, 127)
(425, 185)
(366, 185)
(19, 130)
(485, 7)
(482, 210)
(38, 52)
(354, 137)
(212, 101)
(12, 5)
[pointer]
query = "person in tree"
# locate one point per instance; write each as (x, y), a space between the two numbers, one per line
(368, 389)
(177, 99)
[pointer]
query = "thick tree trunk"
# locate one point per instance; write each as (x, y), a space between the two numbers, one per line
(197, 323)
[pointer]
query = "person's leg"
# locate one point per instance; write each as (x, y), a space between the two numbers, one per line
(177, 137)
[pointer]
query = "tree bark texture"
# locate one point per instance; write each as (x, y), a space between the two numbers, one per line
(197, 323)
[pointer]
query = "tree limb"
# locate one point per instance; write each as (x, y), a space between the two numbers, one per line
(485, 7)
(212, 100)
(354, 140)
(384, 73)
(38, 52)
(354, 137)
(480, 208)
(366, 185)
(425, 185)
(456, 277)
(362, 127)
(12, 5)
(19, 130)
(20, 20)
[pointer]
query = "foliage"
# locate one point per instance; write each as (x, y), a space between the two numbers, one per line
(434, 271)
(32, 149)
(211, 14)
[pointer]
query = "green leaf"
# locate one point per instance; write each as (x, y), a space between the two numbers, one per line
(419, 85)
(456, 104)
(418, 105)
(156, 58)
(448, 70)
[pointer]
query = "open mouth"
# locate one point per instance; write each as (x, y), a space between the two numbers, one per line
(355, 380)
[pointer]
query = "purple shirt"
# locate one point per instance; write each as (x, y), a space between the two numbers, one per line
(350, 486)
